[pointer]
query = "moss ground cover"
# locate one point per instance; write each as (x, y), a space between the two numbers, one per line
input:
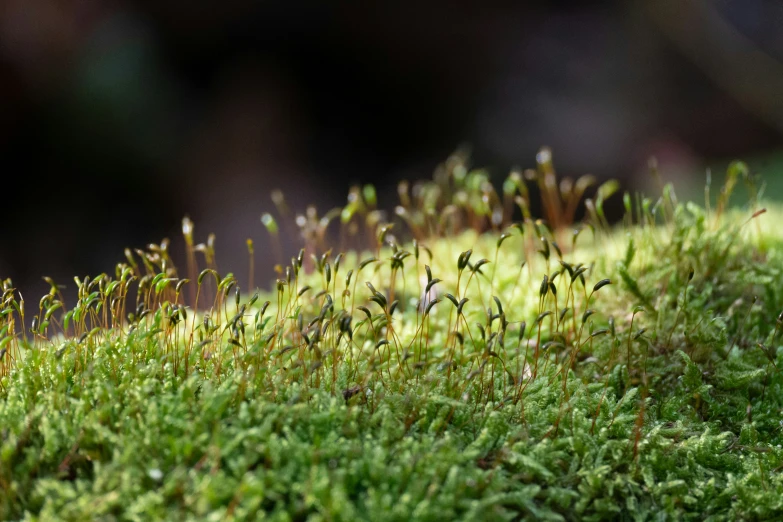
(456, 359)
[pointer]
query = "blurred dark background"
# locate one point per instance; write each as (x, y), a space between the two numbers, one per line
(118, 117)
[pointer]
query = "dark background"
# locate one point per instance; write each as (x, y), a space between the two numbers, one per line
(119, 117)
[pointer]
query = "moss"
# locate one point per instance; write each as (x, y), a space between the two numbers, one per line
(451, 364)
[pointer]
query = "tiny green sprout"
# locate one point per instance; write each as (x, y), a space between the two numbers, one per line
(430, 284)
(230, 283)
(522, 328)
(544, 286)
(462, 260)
(607, 189)
(370, 196)
(544, 251)
(590, 206)
(345, 323)
(568, 267)
(262, 311)
(557, 250)
(366, 262)
(429, 273)
(587, 315)
(318, 262)
(542, 316)
(377, 297)
(269, 223)
(491, 339)
(627, 203)
(130, 258)
(52, 285)
(578, 274)
(398, 259)
(366, 312)
(383, 232)
(502, 238)
(452, 299)
(511, 183)
(477, 267)
(204, 273)
(426, 250)
(497, 303)
(482, 331)
(600, 284)
(187, 230)
(162, 284)
(180, 284)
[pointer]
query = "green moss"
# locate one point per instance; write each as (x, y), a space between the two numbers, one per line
(485, 370)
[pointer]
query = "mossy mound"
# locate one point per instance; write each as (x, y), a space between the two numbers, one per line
(485, 370)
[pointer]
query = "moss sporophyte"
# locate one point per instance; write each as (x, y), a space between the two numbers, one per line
(454, 359)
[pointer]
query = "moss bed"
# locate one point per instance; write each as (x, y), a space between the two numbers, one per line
(456, 359)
